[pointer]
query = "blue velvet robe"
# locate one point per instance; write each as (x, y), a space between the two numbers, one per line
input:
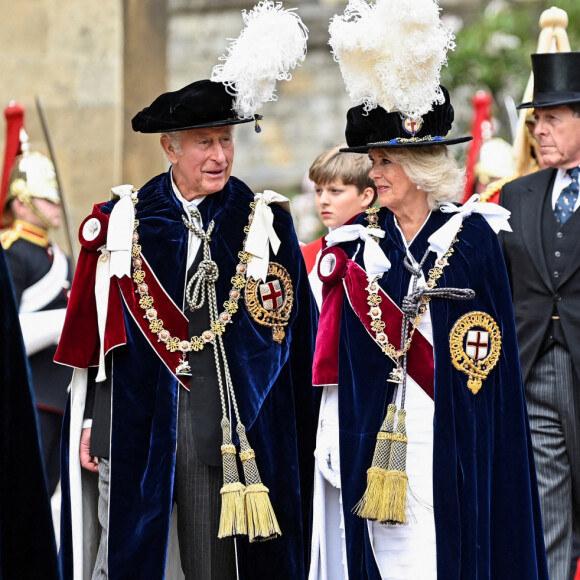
(272, 383)
(486, 507)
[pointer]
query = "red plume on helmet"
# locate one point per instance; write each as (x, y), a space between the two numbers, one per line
(14, 114)
(482, 102)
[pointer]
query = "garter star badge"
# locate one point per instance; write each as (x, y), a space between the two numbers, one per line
(270, 302)
(475, 343)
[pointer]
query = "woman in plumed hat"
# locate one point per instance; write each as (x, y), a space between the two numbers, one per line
(190, 301)
(424, 414)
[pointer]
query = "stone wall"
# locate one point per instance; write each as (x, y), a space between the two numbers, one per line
(309, 114)
(68, 53)
(95, 64)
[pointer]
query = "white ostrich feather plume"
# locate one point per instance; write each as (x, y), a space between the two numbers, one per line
(272, 43)
(391, 53)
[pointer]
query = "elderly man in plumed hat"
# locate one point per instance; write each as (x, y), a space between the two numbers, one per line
(544, 269)
(191, 330)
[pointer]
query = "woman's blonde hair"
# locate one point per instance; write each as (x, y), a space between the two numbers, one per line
(434, 169)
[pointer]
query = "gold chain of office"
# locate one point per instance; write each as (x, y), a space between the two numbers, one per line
(218, 326)
(374, 299)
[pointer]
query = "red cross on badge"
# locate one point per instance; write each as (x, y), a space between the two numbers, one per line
(412, 126)
(271, 294)
(477, 345)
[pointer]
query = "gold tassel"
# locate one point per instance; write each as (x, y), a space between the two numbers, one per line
(396, 479)
(262, 522)
(261, 519)
(396, 497)
(372, 505)
(369, 506)
(233, 515)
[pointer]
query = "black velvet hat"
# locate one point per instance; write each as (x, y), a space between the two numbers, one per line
(556, 79)
(379, 129)
(201, 104)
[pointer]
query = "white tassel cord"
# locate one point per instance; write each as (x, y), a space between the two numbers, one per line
(391, 55)
(272, 43)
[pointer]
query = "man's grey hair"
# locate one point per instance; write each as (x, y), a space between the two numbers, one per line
(175, 140)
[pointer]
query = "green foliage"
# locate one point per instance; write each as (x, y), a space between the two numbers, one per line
(493, 50)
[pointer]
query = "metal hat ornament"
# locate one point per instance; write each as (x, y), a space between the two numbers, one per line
(395, 83)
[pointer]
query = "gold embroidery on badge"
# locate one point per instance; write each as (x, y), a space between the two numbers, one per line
(475, 343)
(270, 302)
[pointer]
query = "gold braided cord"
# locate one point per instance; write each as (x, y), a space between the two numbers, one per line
(385, 496)
(426, 139)
(374, 300)
(371, 505)
(219, 323)
(246, 509)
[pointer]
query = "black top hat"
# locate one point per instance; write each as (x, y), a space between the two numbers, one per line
(198, 105)
(379, 129)
(556, 79)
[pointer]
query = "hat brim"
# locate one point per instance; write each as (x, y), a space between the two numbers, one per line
(398, 144)
(223, 123)
(542, 104)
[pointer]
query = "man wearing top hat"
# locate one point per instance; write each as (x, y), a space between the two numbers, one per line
(191, 331)
(544, 269)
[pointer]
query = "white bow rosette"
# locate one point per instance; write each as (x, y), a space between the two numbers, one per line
(262, 235)
(115, 260)
(120, 231)
(376, 263)
(496, 216)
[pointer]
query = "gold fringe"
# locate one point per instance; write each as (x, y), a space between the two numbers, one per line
(396, 479)
(262, 522)
(371, 505)
(395, 491)
(233, 514)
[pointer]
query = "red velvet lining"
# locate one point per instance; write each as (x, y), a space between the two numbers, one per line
(79, 344)
(173, 318)
(420, 362)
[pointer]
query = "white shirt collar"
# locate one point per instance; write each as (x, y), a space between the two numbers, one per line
(187, 205)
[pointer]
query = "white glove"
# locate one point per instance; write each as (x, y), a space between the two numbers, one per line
(327, 452)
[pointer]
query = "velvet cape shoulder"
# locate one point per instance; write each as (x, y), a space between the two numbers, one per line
(486, 506)
(271, 381)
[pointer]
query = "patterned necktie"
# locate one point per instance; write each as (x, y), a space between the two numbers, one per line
(566, 202)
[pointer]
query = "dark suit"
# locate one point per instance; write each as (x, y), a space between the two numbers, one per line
(543, 262)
